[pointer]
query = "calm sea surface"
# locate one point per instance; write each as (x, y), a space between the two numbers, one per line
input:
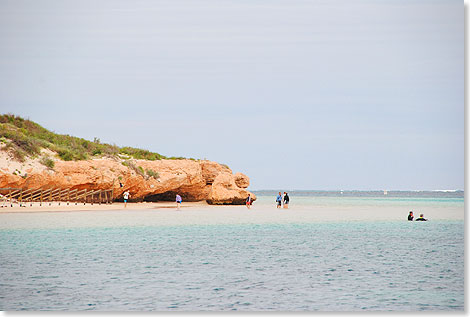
(336, 266)
(368, 198)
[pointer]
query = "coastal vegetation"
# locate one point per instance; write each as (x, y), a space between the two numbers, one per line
(23, 138)
(47, 161)
(152, 173)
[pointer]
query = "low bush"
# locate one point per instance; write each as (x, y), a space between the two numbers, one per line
(139, 170)
(152, 173)
(141, 154)
(46, 161)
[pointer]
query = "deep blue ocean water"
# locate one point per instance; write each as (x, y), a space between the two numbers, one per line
(347, 266)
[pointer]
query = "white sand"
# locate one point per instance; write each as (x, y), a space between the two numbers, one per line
(165, 214)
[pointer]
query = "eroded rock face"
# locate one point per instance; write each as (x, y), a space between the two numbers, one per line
(242, 180)
(145, 180)
(225, 191)
(210, 170)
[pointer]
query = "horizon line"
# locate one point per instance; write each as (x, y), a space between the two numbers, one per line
(368, 190)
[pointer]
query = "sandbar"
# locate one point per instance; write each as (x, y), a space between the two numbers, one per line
(200, 213)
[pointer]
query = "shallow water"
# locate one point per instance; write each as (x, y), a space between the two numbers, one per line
(406, 201)
(336, 266)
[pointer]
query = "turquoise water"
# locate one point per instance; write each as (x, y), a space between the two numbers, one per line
(398, 266)
(381, 201)
(407, 199)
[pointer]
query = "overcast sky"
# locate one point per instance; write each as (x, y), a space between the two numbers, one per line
(295, 94)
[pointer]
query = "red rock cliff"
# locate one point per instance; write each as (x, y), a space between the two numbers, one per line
(145, 180)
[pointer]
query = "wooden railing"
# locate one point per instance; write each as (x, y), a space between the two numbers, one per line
(22, 196)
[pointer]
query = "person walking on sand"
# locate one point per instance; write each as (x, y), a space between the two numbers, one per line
(286, 200)
(126, 196)
(178, 201)
(248, 202)
(410, 216)
(279, 200)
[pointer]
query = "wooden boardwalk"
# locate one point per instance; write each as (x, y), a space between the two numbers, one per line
(22, 196)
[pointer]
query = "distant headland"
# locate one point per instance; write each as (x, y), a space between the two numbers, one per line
(32, 157)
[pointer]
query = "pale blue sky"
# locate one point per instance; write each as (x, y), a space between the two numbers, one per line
(296, 94)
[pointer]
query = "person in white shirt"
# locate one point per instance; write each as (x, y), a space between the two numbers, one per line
(126, 197)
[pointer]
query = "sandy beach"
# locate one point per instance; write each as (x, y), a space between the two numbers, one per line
(200, 213)
(63, 207)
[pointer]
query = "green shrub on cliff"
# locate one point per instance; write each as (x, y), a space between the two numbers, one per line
(140, 154)
(152, 173)
(138, 169)
(47, 162)
(175, 158)
(23, 138)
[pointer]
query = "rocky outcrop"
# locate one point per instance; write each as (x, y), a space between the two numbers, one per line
(226, 191)
(210, 170)
(145, 180)
(241, 180)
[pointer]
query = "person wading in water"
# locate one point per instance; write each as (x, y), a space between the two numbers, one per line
(286, 200)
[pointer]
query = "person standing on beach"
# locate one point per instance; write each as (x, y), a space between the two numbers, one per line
(248, 202)
(286, 200)
(178, 201)
(126, 196)
(279, 200)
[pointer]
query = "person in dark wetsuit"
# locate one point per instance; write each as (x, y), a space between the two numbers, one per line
(421, 218)
(410, 216)
(286, 200)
